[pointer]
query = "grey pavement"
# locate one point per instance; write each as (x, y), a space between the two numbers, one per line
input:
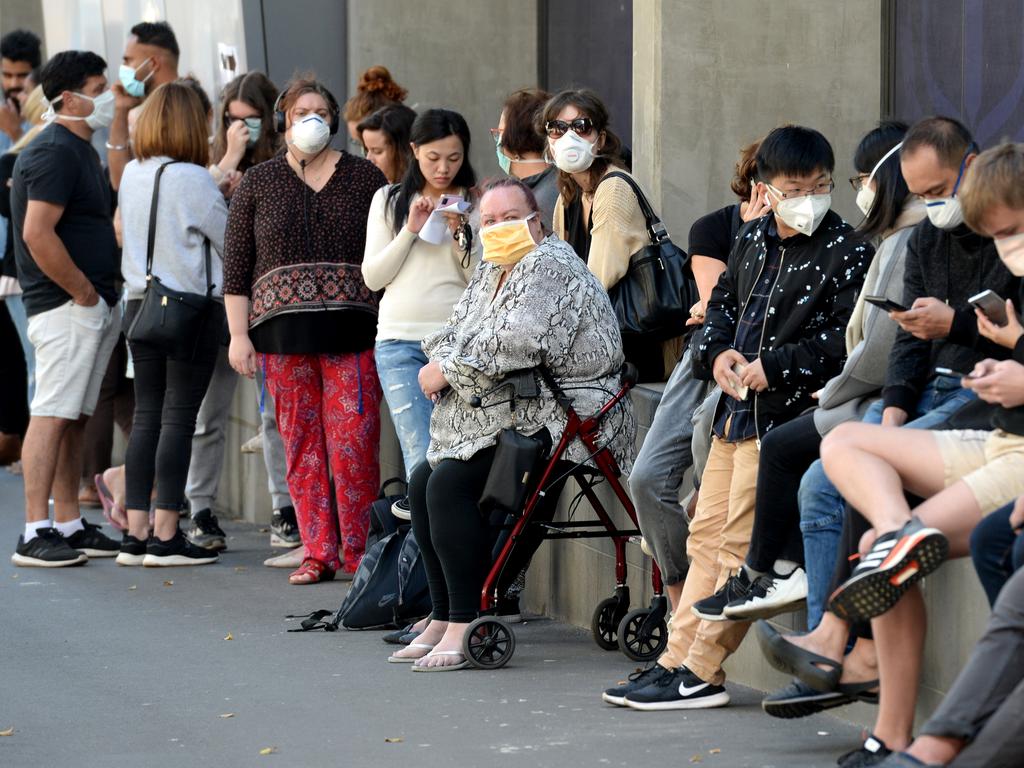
(108, 666)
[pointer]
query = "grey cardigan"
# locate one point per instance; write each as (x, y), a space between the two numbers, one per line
(847, 397)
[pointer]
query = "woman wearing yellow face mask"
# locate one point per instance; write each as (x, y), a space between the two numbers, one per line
(532, 302)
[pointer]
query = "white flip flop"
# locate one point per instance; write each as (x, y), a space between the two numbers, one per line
(392, 659)
(444, 668)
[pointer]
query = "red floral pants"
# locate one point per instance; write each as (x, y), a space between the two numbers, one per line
(328, 412)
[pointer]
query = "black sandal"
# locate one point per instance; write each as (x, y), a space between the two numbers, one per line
(794, 660)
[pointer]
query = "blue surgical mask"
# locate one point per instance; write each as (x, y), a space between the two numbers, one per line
(135, 88)
(504, 161)
(255, 125)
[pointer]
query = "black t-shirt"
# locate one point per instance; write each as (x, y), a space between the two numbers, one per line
(60, 168)
(712, 235)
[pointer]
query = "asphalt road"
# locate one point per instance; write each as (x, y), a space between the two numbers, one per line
(109, 666)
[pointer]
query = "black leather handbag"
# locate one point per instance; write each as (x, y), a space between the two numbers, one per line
(654, 297)
(513, 473)
(170, 320)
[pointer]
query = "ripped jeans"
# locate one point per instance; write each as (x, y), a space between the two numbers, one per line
(398, 366)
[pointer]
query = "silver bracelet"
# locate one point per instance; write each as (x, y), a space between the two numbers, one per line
(116, 147)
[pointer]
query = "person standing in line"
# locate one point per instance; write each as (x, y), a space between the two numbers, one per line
(519, 147)
(421, 279)
(67, 264)
(172, 149)
(385, 138)
(299, 309)
(376, 89)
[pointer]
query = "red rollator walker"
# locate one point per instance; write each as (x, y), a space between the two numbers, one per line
(641, 633)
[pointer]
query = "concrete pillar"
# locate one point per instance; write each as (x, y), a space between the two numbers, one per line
(22, 14)
(709, 78)
(460, 54)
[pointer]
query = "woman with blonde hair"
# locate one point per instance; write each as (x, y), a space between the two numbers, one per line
(168, 187)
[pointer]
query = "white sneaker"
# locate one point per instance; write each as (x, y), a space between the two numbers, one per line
(401, 509)
(769, 596)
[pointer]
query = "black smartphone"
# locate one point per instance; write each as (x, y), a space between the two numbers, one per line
(954, 374)
(992, 305)
(884, 302)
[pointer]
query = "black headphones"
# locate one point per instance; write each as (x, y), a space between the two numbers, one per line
(280, 124)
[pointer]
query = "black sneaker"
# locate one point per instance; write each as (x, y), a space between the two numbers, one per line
(637, 680)
(712, 608)
(177, 551)
(872, 752)
(680, 689)
(205, 532)
(133, 551)
(47, 550)
(770, 595)
(508, 609)
(896, 561)
(284, 529)
(90, 541)
(401, 509)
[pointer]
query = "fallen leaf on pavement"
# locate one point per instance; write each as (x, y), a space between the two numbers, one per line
(268, 750)
(714, 751)
(226, 715)
(229, 636)
(8, 732)
(133, 587)
(240, 569)
(168, 583)
(695, 759)
(393, 740)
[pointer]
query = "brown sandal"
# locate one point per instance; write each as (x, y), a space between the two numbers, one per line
(317, 571)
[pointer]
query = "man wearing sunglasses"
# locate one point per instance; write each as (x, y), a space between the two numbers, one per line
(774, 333)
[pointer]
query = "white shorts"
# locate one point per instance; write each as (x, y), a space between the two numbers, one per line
(73, 346)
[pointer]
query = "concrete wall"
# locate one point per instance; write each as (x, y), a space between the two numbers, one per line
(458, 54)
(709, 78)
(22, 14)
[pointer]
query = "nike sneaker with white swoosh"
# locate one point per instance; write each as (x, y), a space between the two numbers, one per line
(680, 689)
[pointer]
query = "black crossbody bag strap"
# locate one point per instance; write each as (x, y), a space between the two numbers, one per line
(151, 238)
(655, 228)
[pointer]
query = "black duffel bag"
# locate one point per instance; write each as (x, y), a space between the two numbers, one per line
(174, 321)
(654, 297)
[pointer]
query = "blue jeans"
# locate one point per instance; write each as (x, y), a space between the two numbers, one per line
(17, 309)
(821, 506)
(398, 366)
(996, 551)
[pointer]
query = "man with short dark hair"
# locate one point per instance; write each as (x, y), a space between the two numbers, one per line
(150, 60)
(67, 263)
(774, 333)
(19, 55)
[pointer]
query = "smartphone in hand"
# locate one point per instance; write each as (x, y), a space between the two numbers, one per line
(954, 374)
(993, 307)
(884, 302)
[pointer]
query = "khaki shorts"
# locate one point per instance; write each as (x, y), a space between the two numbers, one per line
(990, 463)
(73, 346)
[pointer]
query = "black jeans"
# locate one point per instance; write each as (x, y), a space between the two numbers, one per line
(168, 394)
(786, 453)
(14, 382)
(457, 541)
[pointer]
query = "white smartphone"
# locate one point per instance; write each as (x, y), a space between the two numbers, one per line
(743, 390)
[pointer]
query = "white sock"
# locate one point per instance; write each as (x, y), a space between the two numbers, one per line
(30, 529)
(784, 567)
(66, 529)
(751, 573)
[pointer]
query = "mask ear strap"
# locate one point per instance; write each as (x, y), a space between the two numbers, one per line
(885, 157)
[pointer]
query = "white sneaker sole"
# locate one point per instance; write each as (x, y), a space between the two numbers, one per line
(786, 600)
(618, 701)
(164, 561)
(98, 552)
(705, 702)
(33, 562)
(124, 558)
(278, 543)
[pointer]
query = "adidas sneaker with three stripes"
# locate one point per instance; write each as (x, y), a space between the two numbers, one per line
(896, 561)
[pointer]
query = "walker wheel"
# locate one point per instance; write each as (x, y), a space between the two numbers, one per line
(489, 643)
(642, 637)
(605, 622)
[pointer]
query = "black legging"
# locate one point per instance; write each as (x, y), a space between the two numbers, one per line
(14, 382)
(168, 394)
(786, 453)
(456, 540)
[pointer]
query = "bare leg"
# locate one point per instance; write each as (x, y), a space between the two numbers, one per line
(871, 466)
(39, 456)
(431, 635)
(69, 472)
(828, 639)
(450, 641)
(675, 594)
(935, 750)
(861, 663)
(899, 637)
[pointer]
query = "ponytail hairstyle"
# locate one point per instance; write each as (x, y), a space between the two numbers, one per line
(589, 105)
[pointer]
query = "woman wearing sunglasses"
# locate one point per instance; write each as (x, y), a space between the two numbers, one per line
(602, 222)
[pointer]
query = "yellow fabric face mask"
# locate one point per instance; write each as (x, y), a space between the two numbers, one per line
(508, 242)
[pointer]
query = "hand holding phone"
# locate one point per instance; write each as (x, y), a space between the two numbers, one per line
(955, 374)
(991, 305)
